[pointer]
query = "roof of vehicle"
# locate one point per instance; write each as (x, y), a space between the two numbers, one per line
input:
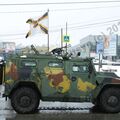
(49, 56)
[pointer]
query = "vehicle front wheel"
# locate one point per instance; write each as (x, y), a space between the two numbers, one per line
(110, 100)
(25, 100)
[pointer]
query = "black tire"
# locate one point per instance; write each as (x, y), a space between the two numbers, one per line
(110, 100)
(25, 100)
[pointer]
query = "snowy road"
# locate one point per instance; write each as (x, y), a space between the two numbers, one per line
(7, 113)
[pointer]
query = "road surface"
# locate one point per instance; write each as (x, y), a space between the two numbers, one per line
(55, 113)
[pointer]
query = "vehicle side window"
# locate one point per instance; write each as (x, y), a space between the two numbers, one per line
(80, 68)
(28, 63)
(55, 64)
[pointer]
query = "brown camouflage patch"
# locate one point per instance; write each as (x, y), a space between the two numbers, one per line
(13, 72)
(56, 79)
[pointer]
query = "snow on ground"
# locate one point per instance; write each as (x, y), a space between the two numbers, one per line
(110, 68)
(6, 105)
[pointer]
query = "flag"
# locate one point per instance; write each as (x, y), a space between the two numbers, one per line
(39, 25)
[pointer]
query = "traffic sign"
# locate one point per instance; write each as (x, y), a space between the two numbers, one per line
(100, 47)
(66, 38)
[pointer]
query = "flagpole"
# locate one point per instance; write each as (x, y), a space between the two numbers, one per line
(66, 35)
(61, 37)
(48, 31)
(48, 42)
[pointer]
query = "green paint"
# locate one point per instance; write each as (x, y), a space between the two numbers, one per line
(56, 79)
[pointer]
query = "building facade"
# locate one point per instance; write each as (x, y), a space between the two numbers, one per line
(93, 45)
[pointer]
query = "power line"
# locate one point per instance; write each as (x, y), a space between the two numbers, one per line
(22, 11)
(85, 8)
(97, 23)
(87, 25)
(79, 27)
(71, 28)
(58, 3)
(2, 35)
(11, 38)
(105, 19)
(84, 27)
(54, 10)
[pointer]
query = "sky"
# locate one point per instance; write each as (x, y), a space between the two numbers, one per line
(82, 19)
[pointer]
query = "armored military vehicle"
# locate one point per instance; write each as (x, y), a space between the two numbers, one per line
(51, 77)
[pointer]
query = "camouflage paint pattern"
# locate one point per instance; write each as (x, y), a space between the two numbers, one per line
(60, 81)
(11, 73)
(56, 81)
(85, 86)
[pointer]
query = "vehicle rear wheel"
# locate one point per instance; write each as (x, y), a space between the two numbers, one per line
(25, 100)
(110, 100)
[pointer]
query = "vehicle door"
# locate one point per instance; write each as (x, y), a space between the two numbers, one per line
(53, 80)
(81, 81)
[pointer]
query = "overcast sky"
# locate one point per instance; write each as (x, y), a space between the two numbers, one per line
(83, 19)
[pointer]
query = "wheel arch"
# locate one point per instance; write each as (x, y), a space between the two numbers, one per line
(108, 98)
(108, 86)
(25, 84)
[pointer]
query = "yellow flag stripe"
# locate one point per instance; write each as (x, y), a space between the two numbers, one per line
(43, 28)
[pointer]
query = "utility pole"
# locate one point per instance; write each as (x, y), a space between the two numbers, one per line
(66, 35)
(61, 37)
(48, 31)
